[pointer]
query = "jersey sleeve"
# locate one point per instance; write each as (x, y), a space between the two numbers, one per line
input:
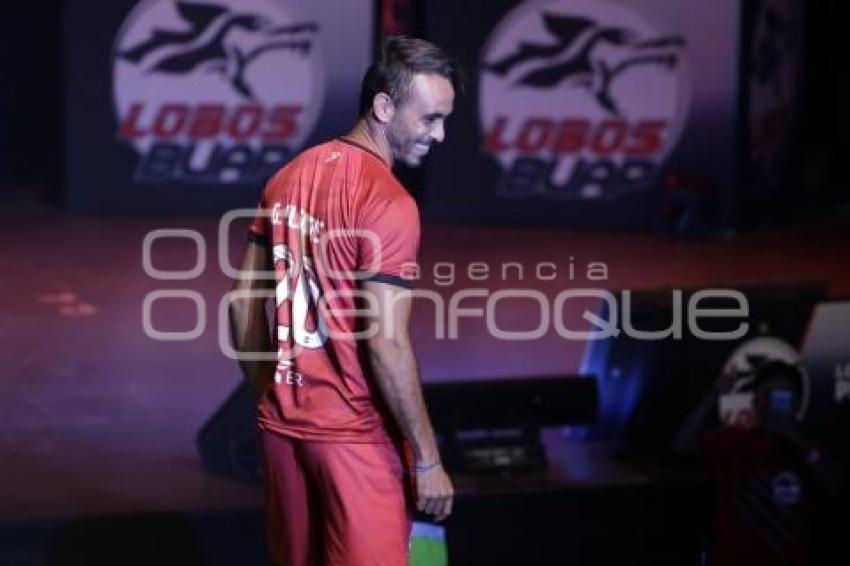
(258, 231)
(389, 241)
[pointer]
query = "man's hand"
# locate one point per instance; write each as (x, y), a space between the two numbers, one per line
(434, 492)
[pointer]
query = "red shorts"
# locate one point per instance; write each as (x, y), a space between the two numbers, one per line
(334, 504)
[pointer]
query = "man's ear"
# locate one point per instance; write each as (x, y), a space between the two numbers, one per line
(383, 108)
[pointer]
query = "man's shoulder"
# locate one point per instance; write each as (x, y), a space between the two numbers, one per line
(342, 151)
(307, 159)
(311, 155)
(364, 169)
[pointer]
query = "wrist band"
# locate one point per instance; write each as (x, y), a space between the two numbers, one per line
(419, 468)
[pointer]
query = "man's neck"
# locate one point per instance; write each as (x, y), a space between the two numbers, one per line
(368, 135)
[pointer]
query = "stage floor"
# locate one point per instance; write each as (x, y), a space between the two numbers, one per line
(99, 418)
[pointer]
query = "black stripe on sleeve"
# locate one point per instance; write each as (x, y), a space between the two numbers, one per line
(392, 280)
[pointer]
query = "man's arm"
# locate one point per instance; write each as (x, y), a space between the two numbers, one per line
(249, 325)
(395, 369)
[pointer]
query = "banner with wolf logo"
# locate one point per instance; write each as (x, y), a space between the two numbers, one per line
(192, 104)
(579, 111)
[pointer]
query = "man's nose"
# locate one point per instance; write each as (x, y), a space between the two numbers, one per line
(438, 133)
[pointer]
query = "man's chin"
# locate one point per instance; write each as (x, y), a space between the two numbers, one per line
(413, 160)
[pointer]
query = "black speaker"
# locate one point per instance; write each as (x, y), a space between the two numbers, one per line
(228, 442)
(494, 426)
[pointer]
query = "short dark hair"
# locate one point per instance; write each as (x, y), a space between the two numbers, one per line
(401, 58)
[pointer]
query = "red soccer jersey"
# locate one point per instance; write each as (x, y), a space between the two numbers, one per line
(761, 501)
(335, 215)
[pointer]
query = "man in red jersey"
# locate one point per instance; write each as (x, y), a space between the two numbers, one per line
(341, 408)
